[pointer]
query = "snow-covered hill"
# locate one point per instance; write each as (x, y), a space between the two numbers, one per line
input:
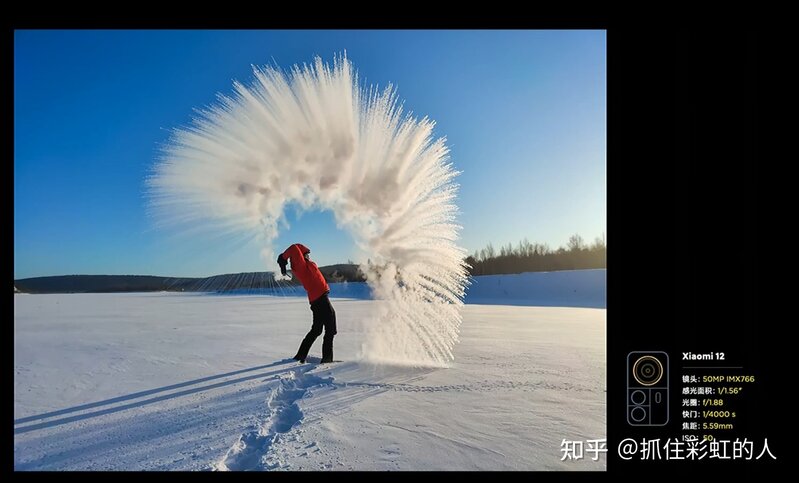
(568, 288)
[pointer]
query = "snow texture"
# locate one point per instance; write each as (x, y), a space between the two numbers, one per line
(166, 381)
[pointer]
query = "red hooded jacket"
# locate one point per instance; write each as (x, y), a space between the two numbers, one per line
(306, 271)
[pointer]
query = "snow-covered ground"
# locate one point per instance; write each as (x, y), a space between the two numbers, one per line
(194, 382)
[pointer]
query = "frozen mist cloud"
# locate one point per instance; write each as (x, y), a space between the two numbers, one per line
(314, 136)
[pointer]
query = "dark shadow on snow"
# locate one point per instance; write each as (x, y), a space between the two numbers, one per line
(25, 429)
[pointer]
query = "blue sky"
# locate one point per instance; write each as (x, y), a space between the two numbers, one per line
(523, 113)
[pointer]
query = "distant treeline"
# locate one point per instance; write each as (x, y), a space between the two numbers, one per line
(139, 283)
(524, 257)
(537, 257)
(145, 283)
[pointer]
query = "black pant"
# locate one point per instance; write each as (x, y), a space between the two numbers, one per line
(323, 316)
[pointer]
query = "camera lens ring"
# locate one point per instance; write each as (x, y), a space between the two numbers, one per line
(638, 397)
(648, 370)
(638, 414)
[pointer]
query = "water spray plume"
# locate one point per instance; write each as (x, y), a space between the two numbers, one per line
(315, 137)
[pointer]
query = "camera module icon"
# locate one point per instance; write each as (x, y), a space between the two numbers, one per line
(647, 388)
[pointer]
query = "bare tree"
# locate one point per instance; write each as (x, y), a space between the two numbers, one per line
(576, 243)
(490, 253)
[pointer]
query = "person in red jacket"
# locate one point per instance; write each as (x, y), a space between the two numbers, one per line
(314, 283)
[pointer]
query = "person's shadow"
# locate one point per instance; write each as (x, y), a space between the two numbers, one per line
(144, 402)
